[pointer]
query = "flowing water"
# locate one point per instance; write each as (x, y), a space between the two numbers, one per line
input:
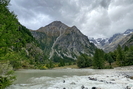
(71, 79)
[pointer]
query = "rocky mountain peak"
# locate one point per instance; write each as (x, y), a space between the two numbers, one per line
(53, 29)
(111, 43)
(75, 29)
(60, 41)
(56, 23)
(114, 36)
(128, 31)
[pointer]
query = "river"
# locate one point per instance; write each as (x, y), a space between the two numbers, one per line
(72, 79)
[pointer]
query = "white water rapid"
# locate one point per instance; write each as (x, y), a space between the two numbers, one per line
(72, 79)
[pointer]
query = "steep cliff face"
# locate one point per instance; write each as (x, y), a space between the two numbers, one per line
(60, 41)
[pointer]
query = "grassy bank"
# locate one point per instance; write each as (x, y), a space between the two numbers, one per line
(68, 66)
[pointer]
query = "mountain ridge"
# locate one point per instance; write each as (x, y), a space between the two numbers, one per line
(64, 41)
(109, 44)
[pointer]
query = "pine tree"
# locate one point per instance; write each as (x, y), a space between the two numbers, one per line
(62, 63)
(109, 59)
(84, 61)
(81, 62)
(120, 58)
(129, 57)
(126, 48)
(98, 60)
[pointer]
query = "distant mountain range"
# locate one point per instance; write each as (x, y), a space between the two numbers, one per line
(59, 41)
(110, 44)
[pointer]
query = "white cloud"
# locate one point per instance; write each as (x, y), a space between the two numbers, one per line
(95, 18)
(38, 21)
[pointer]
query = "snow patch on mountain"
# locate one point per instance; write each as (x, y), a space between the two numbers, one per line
(102, 42)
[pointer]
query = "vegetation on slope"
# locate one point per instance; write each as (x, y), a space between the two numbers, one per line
(18, 48)
(100, 60)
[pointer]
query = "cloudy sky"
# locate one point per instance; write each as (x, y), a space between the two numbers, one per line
(94, 18)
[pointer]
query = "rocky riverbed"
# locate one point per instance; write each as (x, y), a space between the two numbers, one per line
(118, 78)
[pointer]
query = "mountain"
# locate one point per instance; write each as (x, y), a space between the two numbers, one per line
(121, 40)
(128, 31)
(59, 41)
(110, 44)
(115, 37)
(99, 42)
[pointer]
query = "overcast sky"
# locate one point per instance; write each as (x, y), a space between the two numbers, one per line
(94, 18)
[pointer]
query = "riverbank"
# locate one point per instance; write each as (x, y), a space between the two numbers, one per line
(67, 67)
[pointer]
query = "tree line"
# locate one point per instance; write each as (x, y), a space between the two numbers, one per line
(100, 60)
